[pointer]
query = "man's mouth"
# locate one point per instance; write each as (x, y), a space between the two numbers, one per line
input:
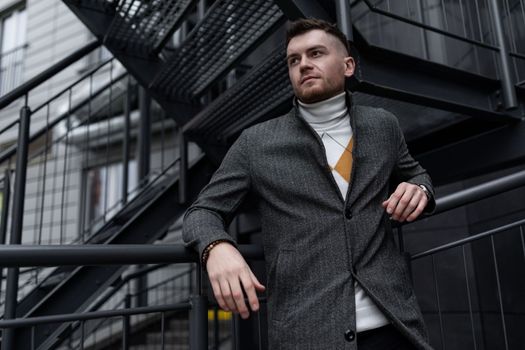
(307, 78)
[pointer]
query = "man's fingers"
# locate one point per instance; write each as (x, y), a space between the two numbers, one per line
(394, 200)
(238, 298)
(218, 295)
(249, 288)
(420, 207)
(258, 285)
(227, 295)
(413, 199)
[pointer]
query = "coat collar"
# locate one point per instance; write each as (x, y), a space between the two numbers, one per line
(320, 154)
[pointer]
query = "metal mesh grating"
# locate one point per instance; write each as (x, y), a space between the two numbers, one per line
(257, 94)
(228, 30)
(142, 26)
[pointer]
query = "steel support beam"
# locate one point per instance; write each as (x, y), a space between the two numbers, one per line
(183, 166)
(394, 75)
(11, 295)
(144, 141)
(495, 150)
(295, 9)
(126, 141)
(344, 18)
(510, 100)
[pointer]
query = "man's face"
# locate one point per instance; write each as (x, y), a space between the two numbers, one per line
(317, 65)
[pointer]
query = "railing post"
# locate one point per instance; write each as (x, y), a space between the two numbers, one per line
(509, 92)
(125, 146)
(144, 142)
(198, 323)
(126, 324)
(183, 166)
(6, 193)
(8, 339)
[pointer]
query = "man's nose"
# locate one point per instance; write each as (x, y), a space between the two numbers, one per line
(304, 63)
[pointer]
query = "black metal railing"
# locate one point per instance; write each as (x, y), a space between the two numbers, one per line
(477, 36)
(12, 68)
(461, 252)
(78, 144)
(25, 256)
(174, 289)
(458, 261)
(485, 304)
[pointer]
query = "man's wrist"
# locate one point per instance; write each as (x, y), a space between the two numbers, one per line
(426, 191)
(207, 250)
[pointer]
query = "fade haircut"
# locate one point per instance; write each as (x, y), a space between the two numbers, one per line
(304, 25)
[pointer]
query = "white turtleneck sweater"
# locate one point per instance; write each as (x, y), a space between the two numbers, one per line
(331, 120)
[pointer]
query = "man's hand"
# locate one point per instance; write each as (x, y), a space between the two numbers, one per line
(406, 203)
(229, 274)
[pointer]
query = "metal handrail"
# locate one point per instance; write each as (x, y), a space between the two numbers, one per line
(374, 9)
(47, 74)
(12, 150)
(478, 192)
(117, 254)
(468, 239)
(84, 316)
(78, 81)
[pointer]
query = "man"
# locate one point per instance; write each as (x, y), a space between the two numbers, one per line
(321, 175)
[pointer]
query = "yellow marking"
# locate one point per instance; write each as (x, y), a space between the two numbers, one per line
(221, 315)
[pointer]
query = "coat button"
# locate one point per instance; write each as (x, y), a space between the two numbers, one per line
(349, 335)
(348, 213)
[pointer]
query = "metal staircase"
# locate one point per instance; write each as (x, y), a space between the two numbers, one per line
(229, 31)
(60, 141)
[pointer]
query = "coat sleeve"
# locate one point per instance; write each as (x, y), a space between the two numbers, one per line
(207, 218)
(407, 169)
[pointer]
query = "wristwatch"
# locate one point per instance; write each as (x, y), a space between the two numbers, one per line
(425, 189)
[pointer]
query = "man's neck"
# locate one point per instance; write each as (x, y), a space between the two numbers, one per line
(326, 112)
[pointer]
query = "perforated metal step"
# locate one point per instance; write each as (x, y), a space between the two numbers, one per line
(262, 90)
(142, 27)
(228, 30)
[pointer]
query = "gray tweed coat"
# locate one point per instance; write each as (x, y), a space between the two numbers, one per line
(316, 244)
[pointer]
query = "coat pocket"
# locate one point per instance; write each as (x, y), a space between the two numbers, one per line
(285, 286)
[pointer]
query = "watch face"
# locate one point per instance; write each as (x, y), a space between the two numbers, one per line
(424, 188)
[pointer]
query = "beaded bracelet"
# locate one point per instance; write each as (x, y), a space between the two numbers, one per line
(207, 250)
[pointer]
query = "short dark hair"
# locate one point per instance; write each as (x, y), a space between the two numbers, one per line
(304, 25)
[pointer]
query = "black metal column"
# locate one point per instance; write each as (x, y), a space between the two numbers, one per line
(144, 141)
(144, 149)
(125, 145)
(509, 92)
(126, 324)
(183, 166)
(8, 338)
(198, 323)
(344, 19)
(6, 194)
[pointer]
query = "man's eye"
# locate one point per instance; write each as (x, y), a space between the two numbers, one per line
(292, 61)
(316, 53)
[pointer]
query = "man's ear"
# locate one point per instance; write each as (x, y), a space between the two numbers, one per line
(349, 66)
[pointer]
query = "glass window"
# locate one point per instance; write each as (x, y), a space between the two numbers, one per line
(104, 193)
(13, 44)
